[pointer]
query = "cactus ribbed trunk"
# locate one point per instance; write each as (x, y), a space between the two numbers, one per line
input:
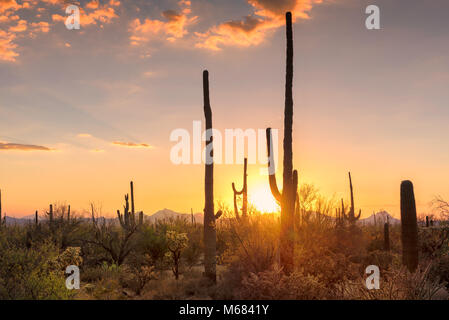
(288, 190)
(409, 226)
(209, 217)
(427, 222)
(386, 237)
(36, 218)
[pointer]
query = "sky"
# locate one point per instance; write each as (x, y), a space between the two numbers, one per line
(83, 112)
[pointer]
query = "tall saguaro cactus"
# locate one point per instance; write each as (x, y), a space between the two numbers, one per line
(409, 226)
(350, 216)
(288, 197)
(243, 192)
(209, 232)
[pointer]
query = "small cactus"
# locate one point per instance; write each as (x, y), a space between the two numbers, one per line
(427, 222)
(409, 227)
(2, 220)
(128, 218)
(50, 214)
(386, 236)
(243, 192)
(36, 218)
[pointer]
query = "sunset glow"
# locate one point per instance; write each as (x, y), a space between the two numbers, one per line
(83, 112)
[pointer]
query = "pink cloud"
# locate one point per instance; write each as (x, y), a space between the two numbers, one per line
(253, 29)
(172, 28)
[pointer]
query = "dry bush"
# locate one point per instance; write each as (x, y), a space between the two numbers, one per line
(397, 284)
(273, 284)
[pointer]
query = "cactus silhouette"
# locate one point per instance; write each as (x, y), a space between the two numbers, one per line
(386, 236)
(50, 214)
(427, 222)
(128, 218)
(288, 197)
(350, 216)
(409, 226)
(243, 192)
(2, 220)
(209, 231)
(36, 218)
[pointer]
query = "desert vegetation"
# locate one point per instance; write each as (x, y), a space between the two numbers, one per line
(314, 248)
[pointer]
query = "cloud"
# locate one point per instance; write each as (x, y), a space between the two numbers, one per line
(93, 13)
(7, 47)
(18, 20)
(131, 144)
(253, 29)
(20, 27)
(84, 135)
(22, 147)
(174, 27)
(9, 5)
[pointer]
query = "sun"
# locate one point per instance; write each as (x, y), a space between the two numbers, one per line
(263, 200)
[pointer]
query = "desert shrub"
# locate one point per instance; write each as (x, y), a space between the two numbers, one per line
(176, 243)
(31, 273)
(380, 258)
(396, 284)
(433, 242)
(440, 270)
(192, 253)
(136, 278)
(275, 285)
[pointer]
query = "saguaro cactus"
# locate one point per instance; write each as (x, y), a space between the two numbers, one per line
(2, 220)
(409, 226)
(427, 222)
(350, 216)
(128, 218)
(386, 236)
(209, 231)
(36, 218)
(243, 192)
(288, 197)
(50, 214)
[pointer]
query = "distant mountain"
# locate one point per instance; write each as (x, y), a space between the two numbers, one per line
(17, 221)
(170, 214)
(158, 215)
(380, 218)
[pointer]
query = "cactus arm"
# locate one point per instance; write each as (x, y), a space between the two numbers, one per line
(236, 209)
(271, 168)
(358, 216)
(120, 219)
(235, 190)
(219, 214)
(343, 211)
(352, 193)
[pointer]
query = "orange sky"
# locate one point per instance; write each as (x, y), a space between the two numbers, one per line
(83, 112)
